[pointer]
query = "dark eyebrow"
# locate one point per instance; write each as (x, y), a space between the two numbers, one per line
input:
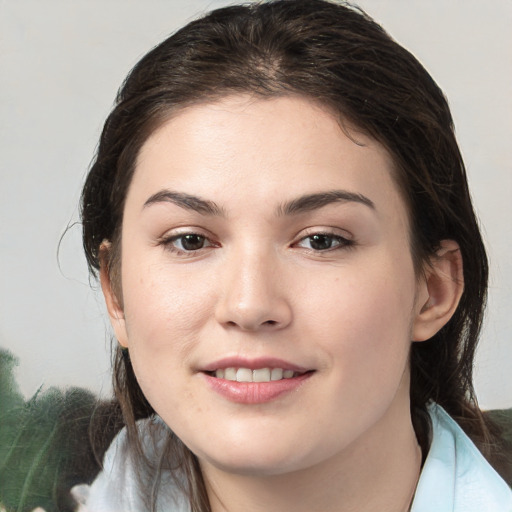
(185, 201)
(314, 201)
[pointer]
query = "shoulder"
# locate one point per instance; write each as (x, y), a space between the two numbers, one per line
(456, 477)
(125, 484)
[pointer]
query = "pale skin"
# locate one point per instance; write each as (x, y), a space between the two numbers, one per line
(328, 285)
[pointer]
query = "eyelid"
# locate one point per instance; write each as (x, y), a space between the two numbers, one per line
(184, 230)
(171, 236)
(346, 240)
(324, 230)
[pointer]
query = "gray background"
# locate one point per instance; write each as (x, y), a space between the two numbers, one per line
(60, 65)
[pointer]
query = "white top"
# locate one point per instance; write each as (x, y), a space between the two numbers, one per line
(455, 477)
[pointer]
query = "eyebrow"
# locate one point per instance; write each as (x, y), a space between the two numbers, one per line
(186, 201)
(296, 206)
(311, 202)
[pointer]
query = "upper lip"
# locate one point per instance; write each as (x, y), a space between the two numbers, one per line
(253, 364)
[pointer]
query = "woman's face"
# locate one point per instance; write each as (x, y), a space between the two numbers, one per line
(259, 242)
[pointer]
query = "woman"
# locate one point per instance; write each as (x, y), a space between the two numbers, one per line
(279, 216)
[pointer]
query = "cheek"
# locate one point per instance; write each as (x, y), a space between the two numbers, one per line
(164, 315)
(363, 319)
(161, 322)
(161, 306)
(362, 324)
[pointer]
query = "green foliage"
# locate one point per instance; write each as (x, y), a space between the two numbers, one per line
(35, 444)
(504, 418)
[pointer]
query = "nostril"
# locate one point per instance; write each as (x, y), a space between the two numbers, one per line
(246, 326)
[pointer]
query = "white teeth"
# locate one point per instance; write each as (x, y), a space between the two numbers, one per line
(259, 375)
(230, 373)
(244, 375)
(276, 374)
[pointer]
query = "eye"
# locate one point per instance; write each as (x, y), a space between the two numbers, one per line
(323, 242)
(187, 242)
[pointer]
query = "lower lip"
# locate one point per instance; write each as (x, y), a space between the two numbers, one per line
(255, 392)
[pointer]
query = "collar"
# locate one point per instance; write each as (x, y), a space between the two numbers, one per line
(456, 477)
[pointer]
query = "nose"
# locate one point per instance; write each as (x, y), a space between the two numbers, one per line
(253, 295)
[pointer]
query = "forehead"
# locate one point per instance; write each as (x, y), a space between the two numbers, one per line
(262, 149)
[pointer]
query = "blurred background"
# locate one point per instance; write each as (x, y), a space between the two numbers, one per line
(61, 63)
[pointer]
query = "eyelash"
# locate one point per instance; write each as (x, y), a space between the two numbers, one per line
(339, 241)
(168, 243)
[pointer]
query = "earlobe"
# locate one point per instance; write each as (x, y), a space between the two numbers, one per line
(114, 307)
(443, 285)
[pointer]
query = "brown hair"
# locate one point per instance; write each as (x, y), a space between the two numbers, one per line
(336, 55)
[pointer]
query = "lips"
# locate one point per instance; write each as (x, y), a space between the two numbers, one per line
(254, 381)
(252, 364)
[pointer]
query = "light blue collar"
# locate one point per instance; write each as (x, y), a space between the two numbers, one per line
(456, 477)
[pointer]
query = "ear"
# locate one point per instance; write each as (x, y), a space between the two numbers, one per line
(440, 291)
(114, 305)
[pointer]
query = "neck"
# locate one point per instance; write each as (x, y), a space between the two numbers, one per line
(378, 472)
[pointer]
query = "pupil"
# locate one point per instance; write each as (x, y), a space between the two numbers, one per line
(321, 242)
(192, 242)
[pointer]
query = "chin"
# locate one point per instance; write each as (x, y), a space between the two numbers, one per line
(256, 466)
(256, 459)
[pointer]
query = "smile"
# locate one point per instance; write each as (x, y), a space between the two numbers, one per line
(253, 381)
(257, 375)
